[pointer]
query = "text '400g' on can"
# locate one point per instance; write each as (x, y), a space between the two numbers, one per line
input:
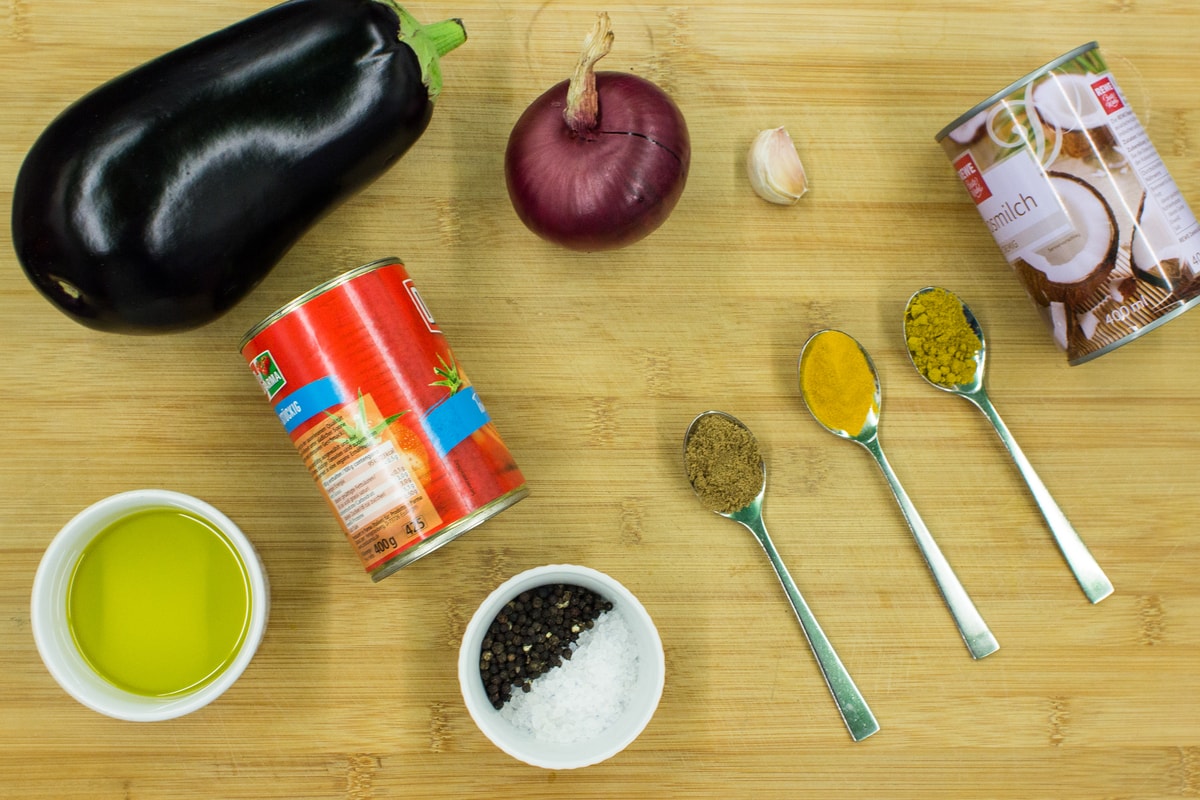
(394, 434)
(1080, 203)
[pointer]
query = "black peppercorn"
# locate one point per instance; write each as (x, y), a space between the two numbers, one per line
(532, 634)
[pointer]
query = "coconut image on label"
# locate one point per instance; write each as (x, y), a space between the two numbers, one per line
(970, 131)
(1066, 273)
(1157, 256)
(1069, 108)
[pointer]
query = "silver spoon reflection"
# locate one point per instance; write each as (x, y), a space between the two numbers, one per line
(854, 710)
(1092, 580)
(975, 633)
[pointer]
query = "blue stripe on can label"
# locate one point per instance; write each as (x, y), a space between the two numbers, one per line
(454, 419)
(306, 402)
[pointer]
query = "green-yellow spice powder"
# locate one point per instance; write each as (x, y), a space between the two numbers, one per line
(944, 347)
(837, 382)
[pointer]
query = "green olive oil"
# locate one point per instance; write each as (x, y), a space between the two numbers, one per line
(159, 603)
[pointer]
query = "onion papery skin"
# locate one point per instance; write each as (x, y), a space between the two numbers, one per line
(607, 187)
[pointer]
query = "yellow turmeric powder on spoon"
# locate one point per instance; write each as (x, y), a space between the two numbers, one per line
(838, 382)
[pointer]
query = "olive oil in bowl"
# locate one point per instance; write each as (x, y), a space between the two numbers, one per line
(159, 602)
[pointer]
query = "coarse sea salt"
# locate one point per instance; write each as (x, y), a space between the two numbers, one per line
(587, 694)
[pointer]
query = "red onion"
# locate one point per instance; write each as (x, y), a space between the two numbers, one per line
(598, 161)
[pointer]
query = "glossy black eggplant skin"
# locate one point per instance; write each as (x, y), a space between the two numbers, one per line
(159, 200)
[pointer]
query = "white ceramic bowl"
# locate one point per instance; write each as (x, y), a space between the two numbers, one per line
(641, 704)
(49, 609)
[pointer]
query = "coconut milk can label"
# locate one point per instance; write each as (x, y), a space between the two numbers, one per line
(972, 178)
(1020, 207)
(1107, 94)
(1161, 194)
(1080, 204)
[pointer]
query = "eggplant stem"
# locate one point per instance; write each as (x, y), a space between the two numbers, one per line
(446, 35)
(583, 102)
(429, 42)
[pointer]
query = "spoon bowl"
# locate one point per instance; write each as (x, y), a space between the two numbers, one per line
(853, 708)
(1095, 584)
(753, 505)
(845, 377)
(975, 383)
(866, 416)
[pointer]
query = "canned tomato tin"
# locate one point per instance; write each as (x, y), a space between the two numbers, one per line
(382, 413)
(1080, 203)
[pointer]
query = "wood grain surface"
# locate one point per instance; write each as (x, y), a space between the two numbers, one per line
(592, 366)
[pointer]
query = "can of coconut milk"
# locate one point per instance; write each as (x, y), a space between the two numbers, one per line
(382, 413)
(1080, 203)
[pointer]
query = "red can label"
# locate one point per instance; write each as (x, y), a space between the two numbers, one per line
(384, 416)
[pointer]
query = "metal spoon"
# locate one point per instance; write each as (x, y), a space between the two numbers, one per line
(1092, 580)
(854, 710)
(975, 633)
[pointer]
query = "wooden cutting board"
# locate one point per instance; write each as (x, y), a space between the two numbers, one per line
(592, 366)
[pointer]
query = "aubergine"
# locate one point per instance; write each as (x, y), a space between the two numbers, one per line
(159, 200)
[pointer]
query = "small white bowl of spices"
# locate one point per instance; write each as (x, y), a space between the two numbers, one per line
(561, 667)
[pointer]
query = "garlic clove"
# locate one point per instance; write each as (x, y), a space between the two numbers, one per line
(774, 167)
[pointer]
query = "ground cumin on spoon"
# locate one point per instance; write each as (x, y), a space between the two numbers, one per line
(724, 464)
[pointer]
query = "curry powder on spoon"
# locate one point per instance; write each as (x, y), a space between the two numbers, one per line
(942, 343)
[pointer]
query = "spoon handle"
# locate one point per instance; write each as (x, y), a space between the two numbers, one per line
(975, 633)
(1092, 580)
(850, 702)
